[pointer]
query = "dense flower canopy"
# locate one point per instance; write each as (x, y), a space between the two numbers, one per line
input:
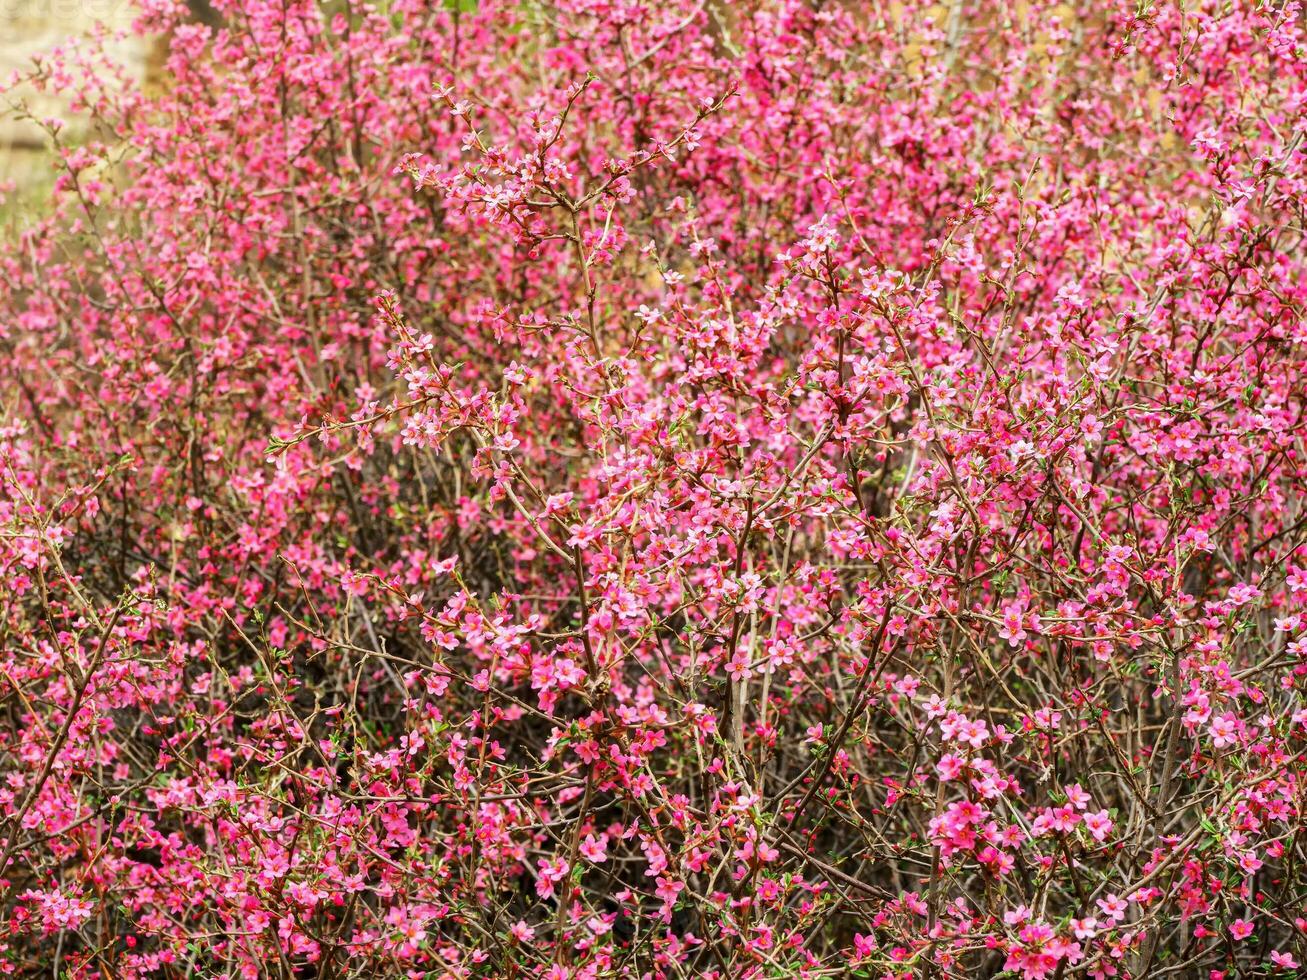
(623, 488)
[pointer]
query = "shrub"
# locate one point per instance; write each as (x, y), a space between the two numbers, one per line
(604, 489)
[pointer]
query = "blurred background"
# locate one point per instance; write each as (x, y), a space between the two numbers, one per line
(29, 29)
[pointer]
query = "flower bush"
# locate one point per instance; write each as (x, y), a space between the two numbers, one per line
(619, 488)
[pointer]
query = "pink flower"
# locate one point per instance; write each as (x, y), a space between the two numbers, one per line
(738, 666)
(668, 889)
(594, 849)
(521, 932)
(1098, 824)
(1085, 928)
(949, 767)
(1112, 907)
(1224, 730)
(1012, 629)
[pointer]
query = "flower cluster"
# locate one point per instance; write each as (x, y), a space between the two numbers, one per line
(618, 488)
